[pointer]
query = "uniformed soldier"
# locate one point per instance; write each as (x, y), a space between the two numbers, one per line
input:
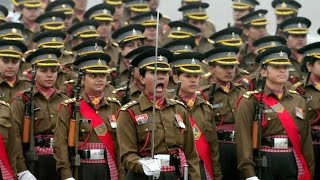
(254, 28)
(129, 38)
(187, 70)
(51, 21)
(311, 91)
(250, 82)
(96, 142)
(80, 8)
(241, 8)
(3, 14)
(7, 143)
(65, 6)
(284, 9)
(173, 140)
(43, 112)
(132, 90)
(103, 15)
(284, 139)
(135, 7)
(222, 93)
(196, 15)
(149, 21)
(119, 20)
(82, 31)
(295, 31)
(10, 58)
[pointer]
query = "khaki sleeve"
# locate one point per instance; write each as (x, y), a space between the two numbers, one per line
(243, 122)
(214, 151)
(17, 114)
(60, 148)
(127, 139)
(189, 149)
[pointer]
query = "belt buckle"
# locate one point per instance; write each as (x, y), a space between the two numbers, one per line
(231, 136)
(51, 142)
(164, 158)
(280, 142)
(96, 154)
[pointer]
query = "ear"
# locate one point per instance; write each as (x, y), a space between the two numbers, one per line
(211, 69)
(246, 31)
(175, 78)
(142, 79)
(263, 72)
(309, 66)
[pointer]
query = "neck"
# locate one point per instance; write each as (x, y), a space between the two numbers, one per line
(314, 78)
(274, 86)
(185, 94)
(221, 83)
(92, 93)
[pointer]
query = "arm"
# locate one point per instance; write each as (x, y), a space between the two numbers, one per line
(214, 151)
(243, 122)
(61, 151)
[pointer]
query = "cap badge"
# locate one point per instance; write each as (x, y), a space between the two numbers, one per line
(273, 43)
(160, 58)
(14, 30)
(299, 25)
(233, 35)
(63, 6)
(105, 11)
(96, 47)
(178, 28)
(91, 27)
(152, 18)
(53, 18)
(260, 14)
(50, 56)
(10, 47)
(134, 32)
(53, 39)
(281, 54)
(99, 62)
(284, 5)
(186, 47)
(229, 54)
(193, 61)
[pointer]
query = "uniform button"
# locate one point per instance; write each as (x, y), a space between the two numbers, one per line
(165, 128)
(309, 109)
(232, 110)
(82, 130)
(269, 119)
(147, 129)
(218, 114)
(35, 118)
(291, 77)
(51, 115)
(97, 112)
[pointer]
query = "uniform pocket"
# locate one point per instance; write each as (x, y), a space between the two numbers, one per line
(4, 128)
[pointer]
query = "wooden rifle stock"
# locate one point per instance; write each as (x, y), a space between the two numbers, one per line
(71, 133)
(26, 129)
(255, 131)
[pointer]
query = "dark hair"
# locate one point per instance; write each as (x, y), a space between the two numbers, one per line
(142, 72)
(177, 71)
(123, 44)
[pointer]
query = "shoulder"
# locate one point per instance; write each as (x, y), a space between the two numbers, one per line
(117, 90)
(175, 102)
(295, 94)
(205, 103)
(3, 103)
(297, 85)
(248, 94)
(113, 100)
(68, 101)
(129, 105)
(22, 95)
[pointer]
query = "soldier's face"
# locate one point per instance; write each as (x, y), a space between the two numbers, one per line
(296, 41)
(314, 69)
(104, 29)
(281, 18)
(201, 24)
(118, 13)
(68, 21)
(162, 82)
(255, 32)
(223, 73)
(30, 14)
(9, 67)
(94, 83)
(238, 13)
(131, 45)
(189, 83)
(150, 32)
(153, 4)
(276, 74)
(46, 76)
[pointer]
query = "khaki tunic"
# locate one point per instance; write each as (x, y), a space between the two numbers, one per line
(45, 118)
(8, 92)
(7, 132)
(245, 116)
(168, 135)
(109, 106)
(295, 74)
(134, 92)
(313, 104)
(113, 51)
(204, 118)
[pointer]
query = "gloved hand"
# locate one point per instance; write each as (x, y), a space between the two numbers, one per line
(252, 178)
(71, 178)
(26, 175)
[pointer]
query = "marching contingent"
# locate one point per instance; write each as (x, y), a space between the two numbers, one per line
(118, 91)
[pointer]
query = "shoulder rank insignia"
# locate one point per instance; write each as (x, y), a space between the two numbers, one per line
(297, 85)
(69, 82)
(293, 92)
(210, 105)
(129, 104)
(244, 72)
(5, 103)
(179, 102)
(114, 100)
(68, 101)
(249, 93)
(119, 89)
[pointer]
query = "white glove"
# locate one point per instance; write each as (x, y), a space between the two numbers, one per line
(252, 178)
(26, 175)
(70, 178)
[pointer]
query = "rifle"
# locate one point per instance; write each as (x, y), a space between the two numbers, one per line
(211, 94)
(116, 79)
(73, 134)
(178, 88)
(261, 161)
(126, 97)
(28, 127)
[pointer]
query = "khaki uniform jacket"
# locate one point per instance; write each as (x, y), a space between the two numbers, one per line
(109, 106)
(168, 136)
(45, 117)
(113, 51)
(295, 73)
(204, 118)
(313, 105)
(247, 57)
(134, 92)
(246, 114)
(224, 104)
(7, 132)
(8, 92)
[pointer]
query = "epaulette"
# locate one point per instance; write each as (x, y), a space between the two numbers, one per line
(119, 89)
(70, 82)
(244, 81)
(210, 41)
(297, 85)
(4, 103)
(249, 93)
(29, 51)
(114, 100)
(65, 52)
(115, 44)
(129, 104)
(207, 102)
(293, 92)
(68, 101)
(198, 93)
(206, 75)
(178, 102)
(205, 87)
(243, 72)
